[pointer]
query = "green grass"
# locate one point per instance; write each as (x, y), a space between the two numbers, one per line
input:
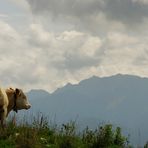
(40, 134)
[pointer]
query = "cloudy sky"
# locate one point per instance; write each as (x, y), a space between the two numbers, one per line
(48, 43)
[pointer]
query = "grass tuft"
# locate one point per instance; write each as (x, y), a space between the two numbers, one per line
(40, 134)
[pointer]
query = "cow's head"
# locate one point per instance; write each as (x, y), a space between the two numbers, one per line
(21, 100)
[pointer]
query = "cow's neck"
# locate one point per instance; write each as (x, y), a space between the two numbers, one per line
(11, 99)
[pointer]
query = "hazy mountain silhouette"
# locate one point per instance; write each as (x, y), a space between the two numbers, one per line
(119, 99)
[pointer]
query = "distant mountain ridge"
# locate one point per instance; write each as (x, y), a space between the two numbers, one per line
(120, 99)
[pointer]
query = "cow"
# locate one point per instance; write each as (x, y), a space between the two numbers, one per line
(11, 99)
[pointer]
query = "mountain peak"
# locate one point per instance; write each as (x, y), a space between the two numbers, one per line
(38, 92)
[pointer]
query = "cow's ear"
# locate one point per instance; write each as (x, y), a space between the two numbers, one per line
(10, 88)
(17, 91)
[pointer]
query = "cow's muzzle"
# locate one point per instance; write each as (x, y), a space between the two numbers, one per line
(28, 106)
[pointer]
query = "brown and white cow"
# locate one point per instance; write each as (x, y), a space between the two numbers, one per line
(11, 99)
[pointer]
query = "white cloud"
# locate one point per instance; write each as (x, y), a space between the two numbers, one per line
(118, 39)
(38, 58)
(43, 59)
(3, 16)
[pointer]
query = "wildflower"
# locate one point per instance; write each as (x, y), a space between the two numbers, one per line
(43, 139)
(17, 134)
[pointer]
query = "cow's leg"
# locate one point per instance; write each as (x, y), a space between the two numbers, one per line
(3, 117)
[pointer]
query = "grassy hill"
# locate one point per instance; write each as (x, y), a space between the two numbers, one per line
(41, 134)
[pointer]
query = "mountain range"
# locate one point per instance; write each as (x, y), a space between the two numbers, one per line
(119, 99)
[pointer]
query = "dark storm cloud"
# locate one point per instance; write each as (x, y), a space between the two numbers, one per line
(66, 7)
(125, 11)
